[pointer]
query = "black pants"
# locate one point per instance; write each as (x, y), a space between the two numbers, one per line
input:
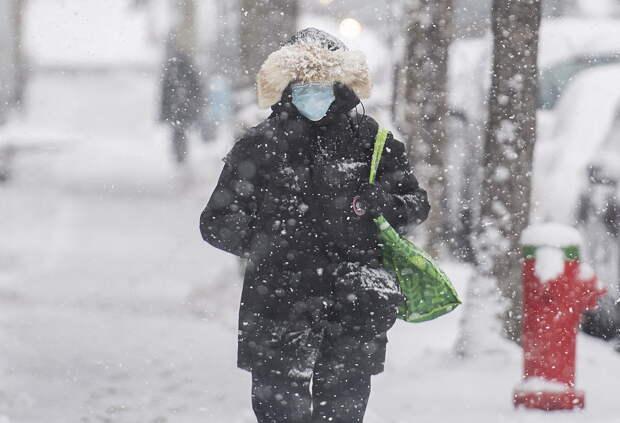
(179, 143)
(336, 393)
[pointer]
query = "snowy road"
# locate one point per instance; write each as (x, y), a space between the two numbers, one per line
(111, 302)
(112, 309)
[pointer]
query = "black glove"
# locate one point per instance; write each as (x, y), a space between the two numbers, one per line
(372, 199)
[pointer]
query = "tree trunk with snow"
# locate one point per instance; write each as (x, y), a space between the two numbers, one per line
(424, 112)
(507, 165)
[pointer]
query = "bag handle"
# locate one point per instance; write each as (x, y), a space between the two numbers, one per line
(377, 151)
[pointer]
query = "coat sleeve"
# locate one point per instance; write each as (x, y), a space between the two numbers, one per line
(227, 221)
(407, 203)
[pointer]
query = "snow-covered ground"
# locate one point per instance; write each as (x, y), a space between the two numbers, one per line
(113, 309)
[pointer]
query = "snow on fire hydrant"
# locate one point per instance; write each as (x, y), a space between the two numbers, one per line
(557, 288)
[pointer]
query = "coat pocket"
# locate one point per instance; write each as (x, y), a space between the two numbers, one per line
(367, 299)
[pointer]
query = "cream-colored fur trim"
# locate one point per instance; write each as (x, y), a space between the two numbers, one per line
(307, 61)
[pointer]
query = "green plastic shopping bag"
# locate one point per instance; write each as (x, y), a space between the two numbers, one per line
(428, 291)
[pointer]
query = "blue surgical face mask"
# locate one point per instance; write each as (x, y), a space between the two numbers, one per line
(313, 99)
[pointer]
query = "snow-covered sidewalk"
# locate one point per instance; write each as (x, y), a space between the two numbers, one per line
(112, 309)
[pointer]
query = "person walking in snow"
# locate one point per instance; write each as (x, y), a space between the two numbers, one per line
(309, 331)
(181, 97)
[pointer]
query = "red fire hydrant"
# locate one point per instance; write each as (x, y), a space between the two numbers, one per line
(557, 288)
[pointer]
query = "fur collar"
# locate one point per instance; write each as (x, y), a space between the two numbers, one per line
(307, 61)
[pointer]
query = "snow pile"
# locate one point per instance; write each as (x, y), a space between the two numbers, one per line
(379, 280)
(480, 329)
(350, 166)
(586, 272)
(551, 235)
(539, 384)
(549, 263)
(550, 238)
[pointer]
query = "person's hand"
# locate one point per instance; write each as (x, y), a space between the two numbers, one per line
(371, 200)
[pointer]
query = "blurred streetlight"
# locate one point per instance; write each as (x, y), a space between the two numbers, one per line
(325, 1)
(350, 28)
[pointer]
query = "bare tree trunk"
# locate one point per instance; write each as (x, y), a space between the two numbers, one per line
(509, 145)
(18, 53)
(264, 25)
(226, 53)
(507, 161)
(185, 28)
(425, 110)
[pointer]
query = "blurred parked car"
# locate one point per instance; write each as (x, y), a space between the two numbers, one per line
(599, 221)
(570, 137)
(554, 79)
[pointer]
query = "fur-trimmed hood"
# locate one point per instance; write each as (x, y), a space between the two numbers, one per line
(312, 58)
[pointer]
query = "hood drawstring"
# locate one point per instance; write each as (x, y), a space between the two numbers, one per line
(355, 127)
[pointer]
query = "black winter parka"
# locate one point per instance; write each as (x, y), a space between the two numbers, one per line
(283, 201)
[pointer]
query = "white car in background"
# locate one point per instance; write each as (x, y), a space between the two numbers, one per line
(571, 136)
